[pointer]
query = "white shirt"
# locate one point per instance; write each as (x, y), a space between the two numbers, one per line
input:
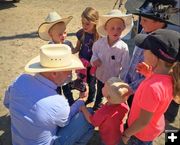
(115, 59)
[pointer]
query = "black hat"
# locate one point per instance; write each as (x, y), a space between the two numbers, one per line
(163, 43)
(160, 10)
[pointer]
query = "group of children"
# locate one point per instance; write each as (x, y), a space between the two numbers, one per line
(106, 59)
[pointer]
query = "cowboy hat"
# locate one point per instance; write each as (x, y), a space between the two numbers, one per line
(54, 58)
(128, 21)
(160, 10)
(163, 43)
(52, 19)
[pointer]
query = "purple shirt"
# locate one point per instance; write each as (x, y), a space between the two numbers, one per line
(87, 40)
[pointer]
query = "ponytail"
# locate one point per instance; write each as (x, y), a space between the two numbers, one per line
(175, 73)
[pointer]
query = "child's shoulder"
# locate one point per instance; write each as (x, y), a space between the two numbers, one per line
(121, 44)
(80, 32)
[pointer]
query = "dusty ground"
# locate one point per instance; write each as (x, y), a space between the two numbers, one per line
(19, 41)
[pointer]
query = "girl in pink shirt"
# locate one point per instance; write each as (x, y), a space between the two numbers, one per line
(153, 96)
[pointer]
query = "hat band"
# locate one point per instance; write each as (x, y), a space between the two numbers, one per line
(157, 10)
(166, 55)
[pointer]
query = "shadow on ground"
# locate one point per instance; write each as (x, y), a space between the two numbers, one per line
(5, 130)
(6, 4)
(26, 35)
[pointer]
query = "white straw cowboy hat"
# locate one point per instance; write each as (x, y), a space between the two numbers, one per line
(52, 18)
(128, 21)
(54, 58)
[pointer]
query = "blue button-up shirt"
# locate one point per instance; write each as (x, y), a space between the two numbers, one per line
(132, 77)
(36, 110)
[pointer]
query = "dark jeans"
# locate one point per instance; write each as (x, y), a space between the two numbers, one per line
(99, 94)
(135, 141)
(68, 94)
(91, 81)
(172, 111)
(130, 100)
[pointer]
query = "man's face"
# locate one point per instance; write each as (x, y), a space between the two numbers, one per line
(57, 32)
(114, 28)
(150, 25)
(62, 77)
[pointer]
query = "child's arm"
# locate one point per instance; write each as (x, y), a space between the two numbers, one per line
(77, 48)
(97, 63)
(86, 113)
(139, 124)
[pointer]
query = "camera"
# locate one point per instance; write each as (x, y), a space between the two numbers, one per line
(78, 84)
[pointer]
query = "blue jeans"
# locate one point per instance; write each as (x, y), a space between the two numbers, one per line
(135, 141)
(77, 132)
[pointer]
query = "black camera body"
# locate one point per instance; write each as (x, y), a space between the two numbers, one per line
(78, 84)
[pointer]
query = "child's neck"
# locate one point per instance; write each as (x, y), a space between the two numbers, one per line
(111, 42)
(161, 70)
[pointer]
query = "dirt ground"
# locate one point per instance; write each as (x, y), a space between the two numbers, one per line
(19, 42)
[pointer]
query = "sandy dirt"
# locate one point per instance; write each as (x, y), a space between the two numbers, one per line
(19, 42)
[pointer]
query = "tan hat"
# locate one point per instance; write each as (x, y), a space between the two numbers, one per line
(52, 58)
(52, 18)
(128, 20)
(118, 91)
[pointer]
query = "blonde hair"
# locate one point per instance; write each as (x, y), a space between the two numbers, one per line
(175, 73)
(92, 15)
(118, 91)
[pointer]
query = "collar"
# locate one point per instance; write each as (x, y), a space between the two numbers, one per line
(45, 81)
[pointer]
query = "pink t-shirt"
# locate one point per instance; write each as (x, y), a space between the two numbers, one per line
(109, 120)
(154, 94)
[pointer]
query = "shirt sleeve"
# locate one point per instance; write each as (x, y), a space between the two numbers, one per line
(149, 99)
(124, 62)
(59, 113)
(79, 34)
(98, 118)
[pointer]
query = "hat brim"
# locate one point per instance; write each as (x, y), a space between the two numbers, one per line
(44, 27)
(103, 19)
(154, 18)
(34, 66)
(139, 41)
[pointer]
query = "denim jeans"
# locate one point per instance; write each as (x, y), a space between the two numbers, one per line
(135, 141)
(91, 81)
(172, 111)
(99, 94)
(68, 94)
(77, 132)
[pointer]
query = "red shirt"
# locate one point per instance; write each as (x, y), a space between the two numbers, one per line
(154, 94)
(109, 120)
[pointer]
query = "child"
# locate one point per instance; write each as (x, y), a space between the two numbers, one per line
(86, 37)
(111, 116)
(53, 30)
(110, 53)
(154, 94)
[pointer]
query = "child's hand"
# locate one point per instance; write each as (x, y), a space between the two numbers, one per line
(144, 69)
(97, 63)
